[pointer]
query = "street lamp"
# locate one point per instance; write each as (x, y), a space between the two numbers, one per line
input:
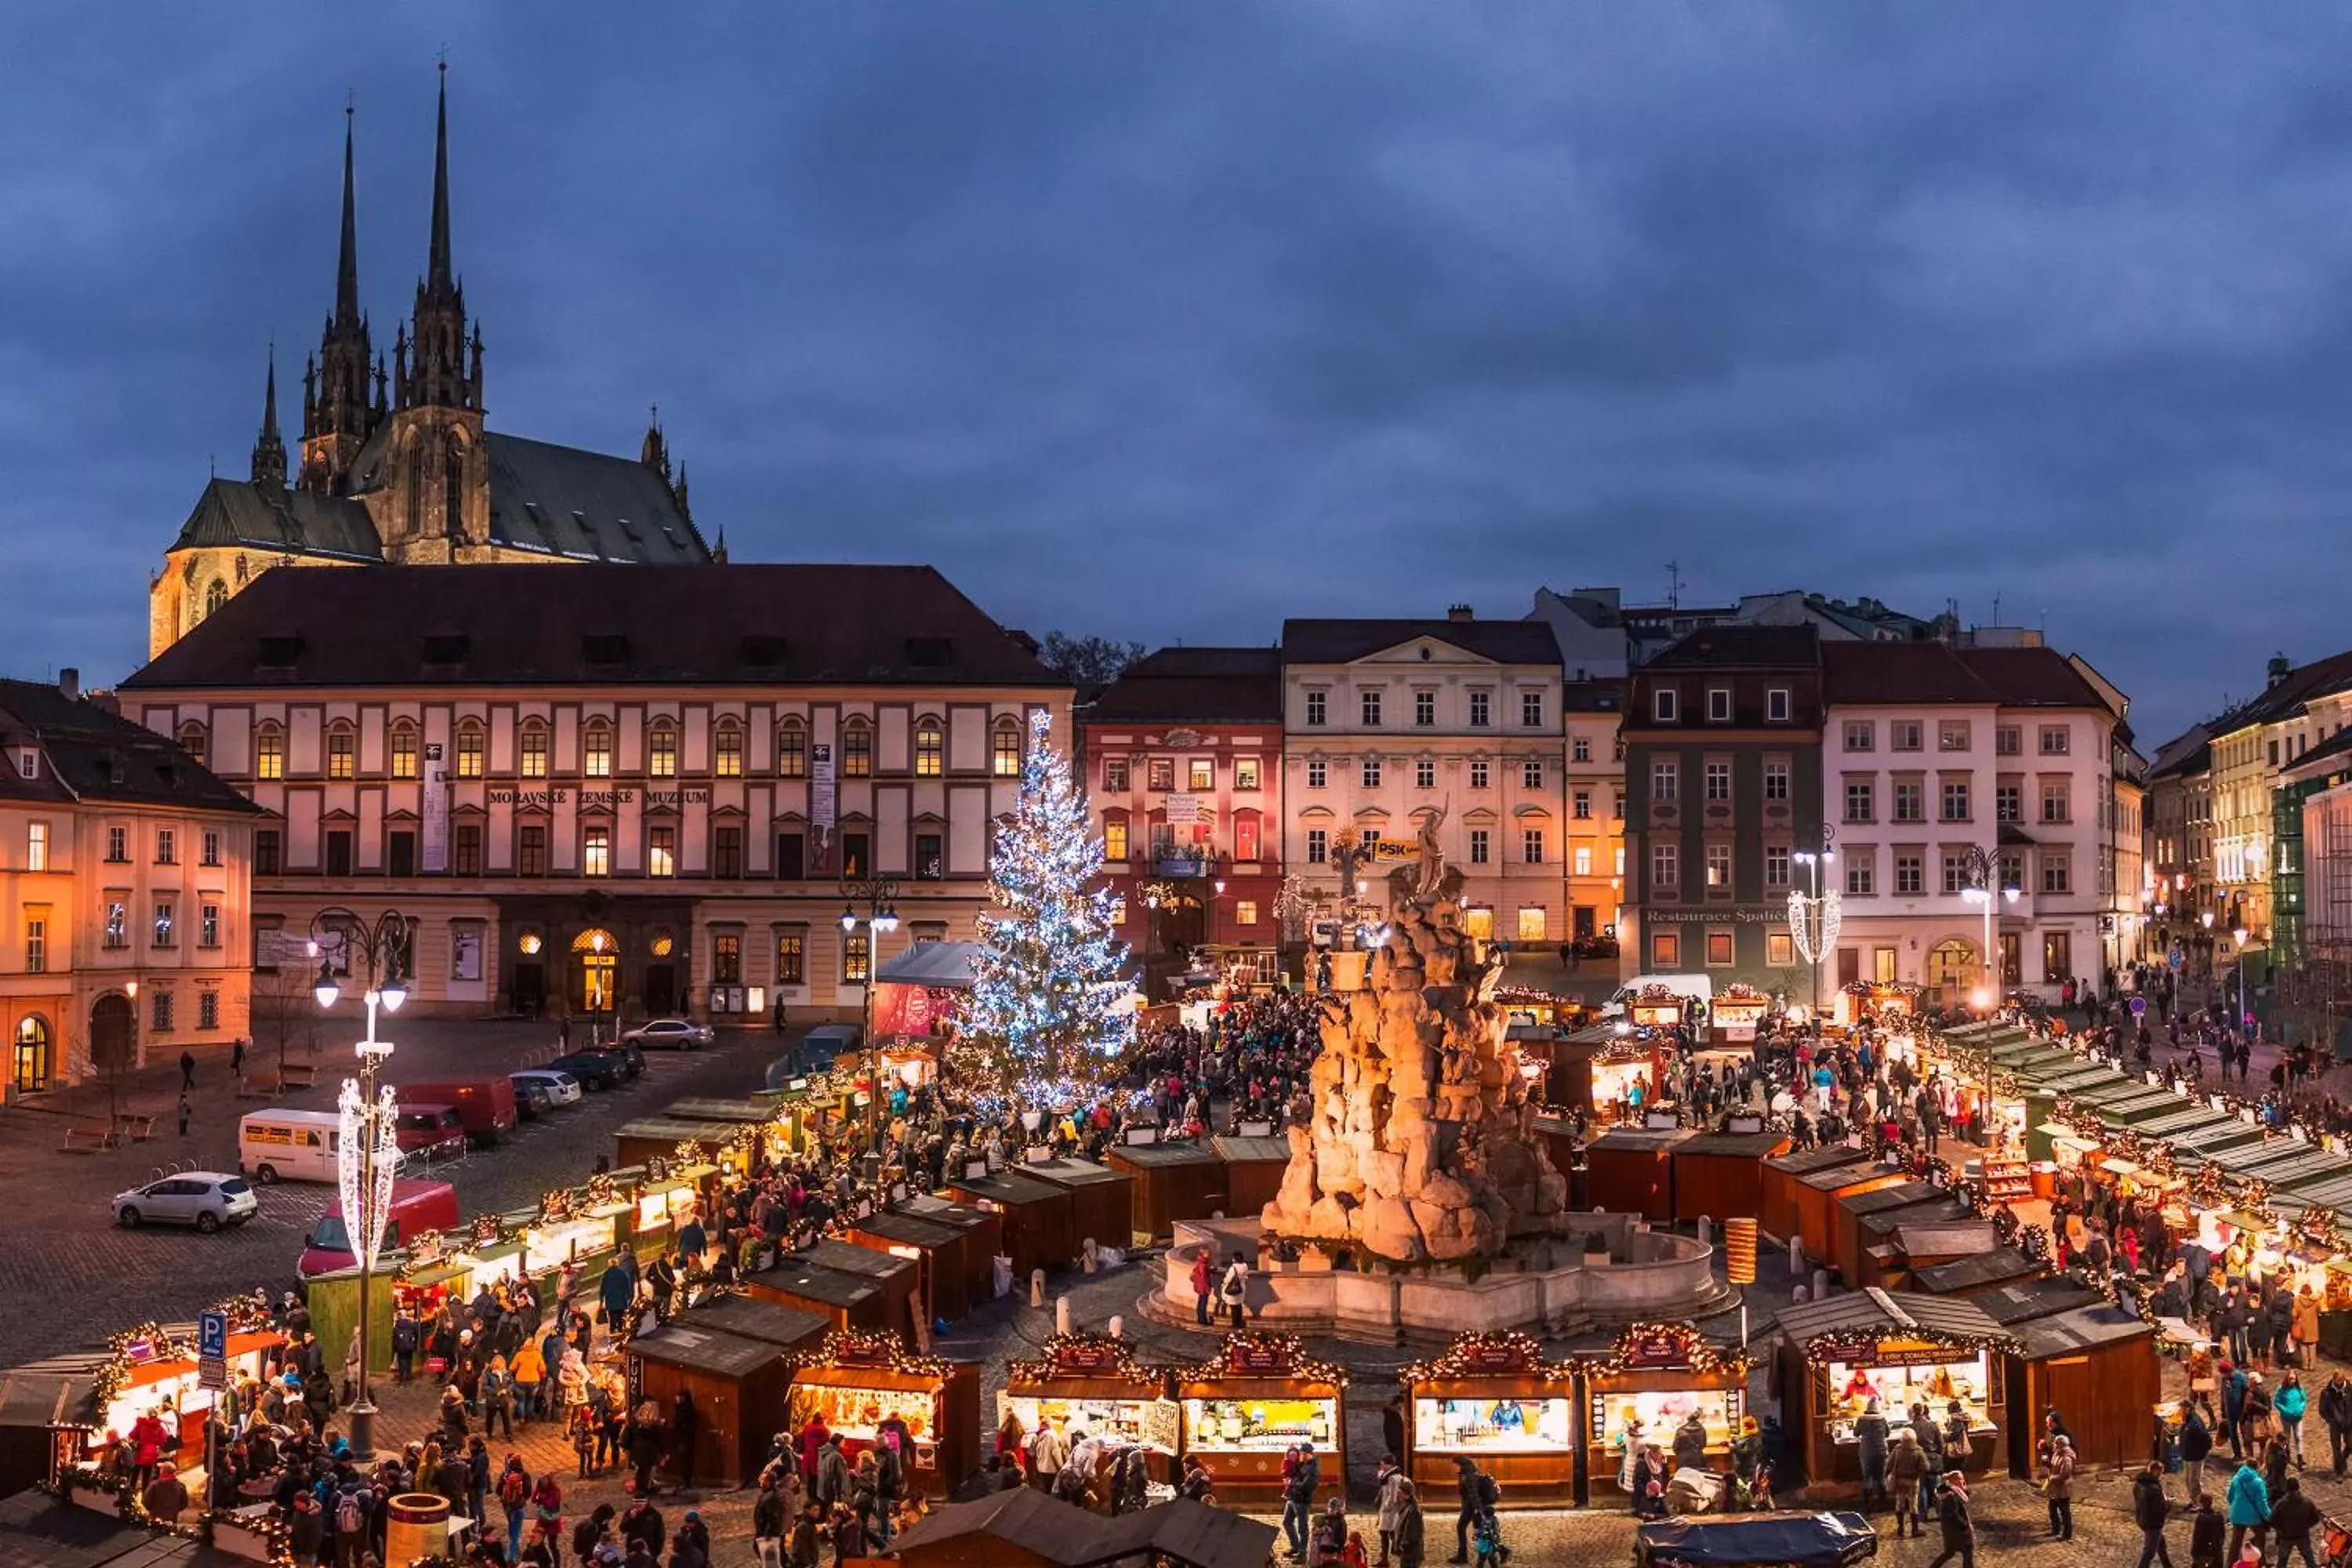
(2241, 934)
(1984, 869)
(1813, 921)
(879, 895)
(367, 1153)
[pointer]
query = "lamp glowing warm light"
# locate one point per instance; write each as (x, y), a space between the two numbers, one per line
(1983, 998)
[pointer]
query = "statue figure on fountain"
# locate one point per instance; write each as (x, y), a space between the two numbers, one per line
(1420, 1142)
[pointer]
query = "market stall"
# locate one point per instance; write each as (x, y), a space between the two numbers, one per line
(1890, 1003)
(1494, 1400)
(1976, 1274)
(670, 1194)
(153, 1370)
(738, 1385)
(943, 1283)
(1182, 1181)
(1656, 1377)
(1819, 1193)
(857, 1381)
(1898, 1348)
(2097, 1365)
(1738, 1008)
(1717, 1175)
(1261, 1395)
(1631, 1171)
(1658, 1006)
(715, 1144)
(983, 1237)
(1039, 1221)
(1094, 1383)
(2022, 1300)
(1897, 1246)
(1102, 1200)
(1777, 1207)
(1254, 1171)
(1853, 1207)
(846, 1299)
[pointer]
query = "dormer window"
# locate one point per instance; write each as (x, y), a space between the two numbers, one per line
(29, 762)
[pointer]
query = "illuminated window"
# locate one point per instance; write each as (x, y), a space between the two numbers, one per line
(661, 751)
(404, 752)
(856, 958)
(1245, 772)
(1780, 949)
(791, 958)
(661, 850)
(791, 750)
(1246, 911)
(343, 751)
(1665, 951)
(1005, 752)
(37, 846)
(596, 851)
(726, 750)
(930, 749)
(856, 750)
(1583, 860)
(469, 751)
(596, 751)
(1202, 773)
(534, 751)
(1719, 865)
(1115, 775)
(1531, 924)
(1115, 840)
(1719, 950)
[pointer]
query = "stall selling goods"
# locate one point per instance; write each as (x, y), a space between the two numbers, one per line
(1738, 1008)
(153, 1370)
(1040, 1227)
(1631, 1171)
(1720, 1174)
(1094, 1385)
(1493, 1399)
(1102, 1200)
(858, 1381)
(1842, 1355)
(1777, 1212)
(1972, 1275)
(1261, 1397)
(1655, 1380)
(2097, 1366)
(660, 1204)
(1890, 1004)
(1174, 1182)
(661, 1137)
(1254, 1171)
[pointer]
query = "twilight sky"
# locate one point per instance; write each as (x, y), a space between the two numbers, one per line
(1167, 320)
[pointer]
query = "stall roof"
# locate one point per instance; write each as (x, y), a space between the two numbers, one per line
(2229, 1134)
(1804, 1162)
(1741, 1540)
(681, 1342)
(2029, 1299)
(2299, 1163)
(2317, 1191)
(1007, 1187)
(1938, 1234)
(676, 1130)
(770, 1323)
(1073, 1173)
(2247, 1158)
(1911, 1215)
(800, 1276)
(704, 1108)
(38, 1530)
(1242, 1151)
(1183, 1531)
(1734, 1145)
(2084, 1328)
(946, 965)
(1191, 1533)
(2194, 1116)
(1641, 1139)
(1887, 1313)
(911, 1229)
(1837, 1178)
(2156, 1104)
(1902, 1195)
(945, 1211)
(1193, 1153)
(1967, 1273)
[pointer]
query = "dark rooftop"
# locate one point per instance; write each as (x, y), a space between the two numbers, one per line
(1195, 686)
(1725, 647)
(601, 624)
(1338, 641)
(90, 754)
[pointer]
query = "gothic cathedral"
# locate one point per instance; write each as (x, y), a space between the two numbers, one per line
(397, 468)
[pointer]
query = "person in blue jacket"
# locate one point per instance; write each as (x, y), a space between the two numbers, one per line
(2250, 1508)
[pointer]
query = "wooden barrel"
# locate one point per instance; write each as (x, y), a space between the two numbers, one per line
(416, 1526)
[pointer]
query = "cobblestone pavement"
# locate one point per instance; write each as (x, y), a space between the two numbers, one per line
(57, 1242)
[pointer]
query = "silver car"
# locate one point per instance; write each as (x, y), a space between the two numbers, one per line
(679, 1034)
(206, 1199)
(561, 1088)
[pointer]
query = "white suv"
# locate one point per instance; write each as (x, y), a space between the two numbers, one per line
(206, 1199)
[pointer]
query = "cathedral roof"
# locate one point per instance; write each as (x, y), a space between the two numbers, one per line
(236, 513)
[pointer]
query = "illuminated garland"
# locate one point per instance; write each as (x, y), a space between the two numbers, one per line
(1256, 1342)
(1691, 1349)
(276, 1535)
(1470, 1356)
(1046, 1365)
(601, 1190)
(1849, 1347)
(880, 1349)
(114, 1374)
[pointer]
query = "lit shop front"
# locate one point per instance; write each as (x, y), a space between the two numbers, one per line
(1655, 1379)
(1740, 1009)
(153, 1371)
(858, 1382)
(1093, 1383)
(1494, 1400)
(1262, 1396)
(1897, 1350)
(1891, 1004)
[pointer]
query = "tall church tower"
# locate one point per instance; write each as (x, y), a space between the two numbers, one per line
(435, 505)
(337, 415)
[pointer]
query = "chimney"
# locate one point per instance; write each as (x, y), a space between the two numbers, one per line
(2279, 669)
(1459, 613)
(69, 683)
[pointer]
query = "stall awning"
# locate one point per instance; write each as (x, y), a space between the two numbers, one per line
(946, 965)
(1888, 1314)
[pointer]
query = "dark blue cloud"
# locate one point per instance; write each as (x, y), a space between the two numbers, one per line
(1298, 308)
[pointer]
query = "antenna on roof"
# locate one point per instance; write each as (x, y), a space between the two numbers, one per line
(1674, 584)
(1996, 609)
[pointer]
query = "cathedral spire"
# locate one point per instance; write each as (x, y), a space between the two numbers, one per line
(438, 276)
(269, 451)
(337, 417)
(347, 262)
(438, 375)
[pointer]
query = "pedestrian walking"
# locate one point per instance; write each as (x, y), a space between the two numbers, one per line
(2196, 1448)
(187, 1069)
(1953, 1521)
(1408, 1538)
(185, 1112)
(2058, 1487)
(237, 1065)
(2336, 1414)
(2205, 1534)
(2249, 1506)
(2150, 1511)
(2292, 1520)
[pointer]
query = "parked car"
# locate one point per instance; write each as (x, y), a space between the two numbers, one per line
(595, 1070)
(532, 1099)
(674, 1033)
(560, 1088)
(206, 1199)
(484, 1106)
(417, 1207)
(430, 1131)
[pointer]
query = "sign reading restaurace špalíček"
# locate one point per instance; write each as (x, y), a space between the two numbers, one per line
(589, 799)
(1718, 914)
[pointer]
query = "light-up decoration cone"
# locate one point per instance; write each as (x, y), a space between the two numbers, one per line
(1049, 988)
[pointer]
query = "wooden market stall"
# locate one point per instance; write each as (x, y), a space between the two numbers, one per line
(1846, 1217)
(1973, 1276)
(2024, 1300)
(847, 1299)
(943, 1280)
(1739, 1009)
(983, 1236)
(1777, 1209)
(738, 1387)
(1493, 1399)
(1095, 1384)
(857, 1381)
(153, 1370)
(2097, 1365)
(1892, 1003)
(1261, 1395)
(1718, 1175)
(1653, 1379)
(1819, 1192)
(747, 1317)
(1631, 1170)
(1896, 1245)
(1897, 1349)
(1038, 1217)
(1253, 1171)
(1183, 1181)
(1102, 1200)
(719, 1144)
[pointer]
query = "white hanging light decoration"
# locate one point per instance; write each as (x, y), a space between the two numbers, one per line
(365, 1211)
(1814, 924)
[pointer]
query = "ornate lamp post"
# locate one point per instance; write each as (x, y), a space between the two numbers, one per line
(2241, 932)
(1983, 867)
(880, 896)
(1814, 919)
(367, 1155)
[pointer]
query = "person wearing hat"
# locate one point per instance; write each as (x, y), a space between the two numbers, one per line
(1871, 1434)
(1953, 1521)
(167, 1495)
(1906, 1466)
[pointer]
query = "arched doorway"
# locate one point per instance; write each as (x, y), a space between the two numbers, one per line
(596, 959)
(29, 1070)
(661, 975)
(112, 1028)
(1952, 968)
(1179, 924)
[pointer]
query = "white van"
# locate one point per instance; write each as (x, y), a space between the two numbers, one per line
(1686, 986)
(287, 1145)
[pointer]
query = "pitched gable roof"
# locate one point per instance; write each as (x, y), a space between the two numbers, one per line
(233, 512)
(90, 754)
(1197, 686)
(1339, 641)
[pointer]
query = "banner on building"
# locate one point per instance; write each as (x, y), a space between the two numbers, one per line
(436, 808)
(823, 806)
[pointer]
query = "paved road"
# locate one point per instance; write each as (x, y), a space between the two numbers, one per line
(69, 1278)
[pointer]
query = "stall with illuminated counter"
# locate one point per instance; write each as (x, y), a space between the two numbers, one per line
(712, 1143)
(1039, 1226)
(1493, 1399)
(1260, 1395)
(1740, 1009)
(1891, 1004)
(660, 1202)
(1653, 1379)
(1094, 1383)
(857, 1381)
(153, 1370)
(1898, 1348)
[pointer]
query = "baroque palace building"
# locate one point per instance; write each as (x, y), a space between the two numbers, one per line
(650, 791)
(396, 467)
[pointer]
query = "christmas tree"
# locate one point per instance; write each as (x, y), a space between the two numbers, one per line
(1048, 1008)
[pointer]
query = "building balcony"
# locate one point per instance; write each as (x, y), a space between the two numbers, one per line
(1180, 863)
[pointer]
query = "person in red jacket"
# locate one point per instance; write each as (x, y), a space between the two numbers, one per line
(813, 1439)
(147, 1439)
(1203, 1280)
